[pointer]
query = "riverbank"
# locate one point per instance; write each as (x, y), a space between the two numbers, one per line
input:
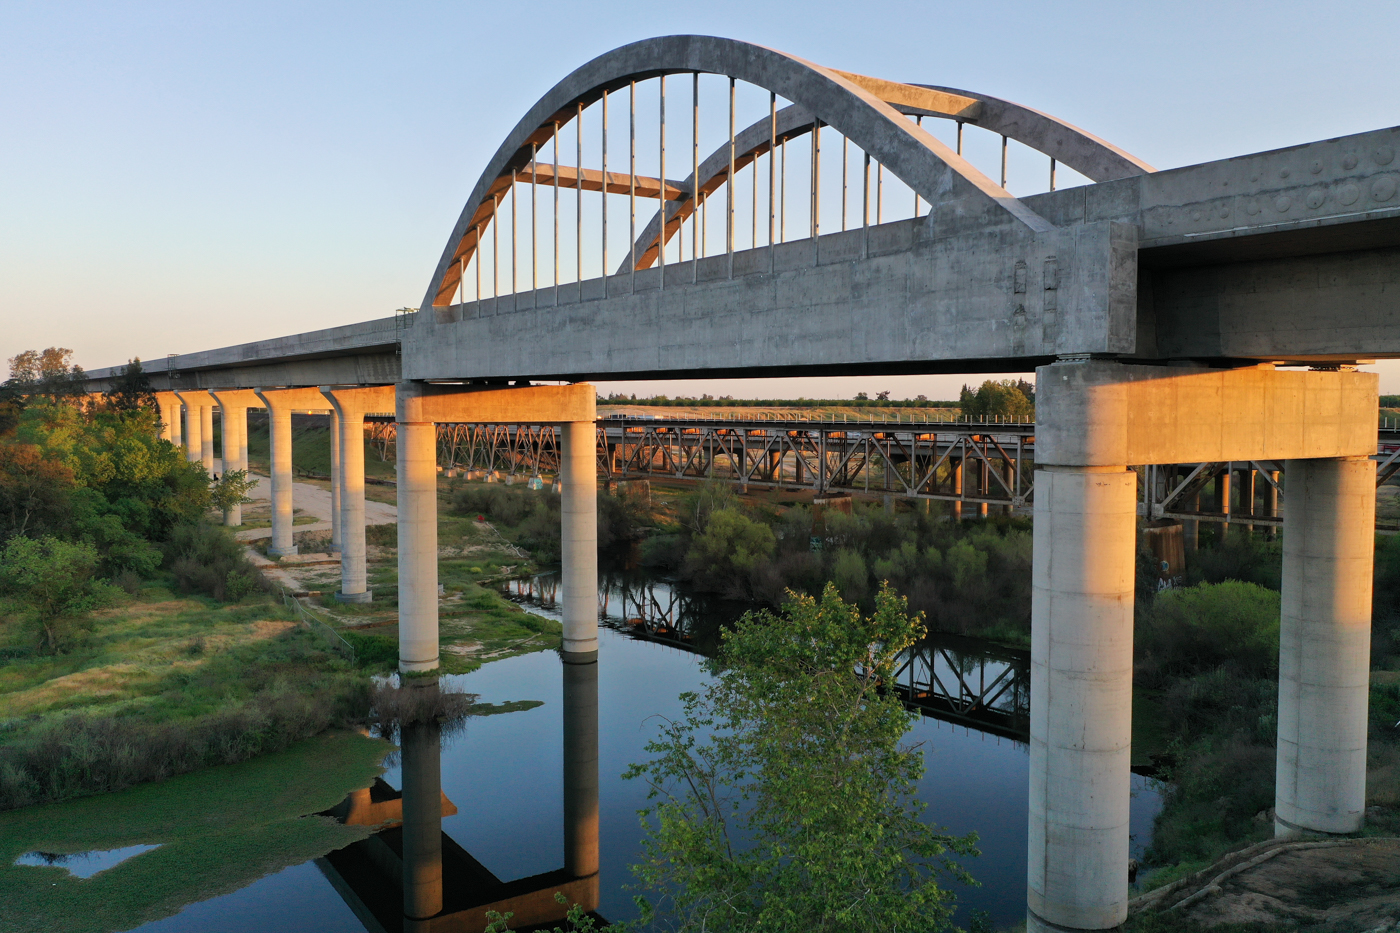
(213, 832)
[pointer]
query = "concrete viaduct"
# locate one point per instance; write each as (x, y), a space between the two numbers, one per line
(1207, 314)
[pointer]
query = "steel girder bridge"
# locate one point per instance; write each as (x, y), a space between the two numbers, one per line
(977, 467)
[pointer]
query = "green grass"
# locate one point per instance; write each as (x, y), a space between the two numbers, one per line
(311, 451)
(219, 829)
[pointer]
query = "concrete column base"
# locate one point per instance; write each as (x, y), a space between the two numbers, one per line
(365, 597)
(579, 657)
(282, 551)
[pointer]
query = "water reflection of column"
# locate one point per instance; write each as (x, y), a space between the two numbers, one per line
(581, 769)
(422, 818)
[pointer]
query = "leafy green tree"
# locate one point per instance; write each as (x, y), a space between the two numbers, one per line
(783, 798)
(230, 489)
(50, 373)
(54, 584)
(131, 390)
(1005, 399)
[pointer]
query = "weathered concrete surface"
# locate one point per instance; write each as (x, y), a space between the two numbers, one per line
(1325, 645)
(1081, 696)
(889, 298)
(578, 480)
(352, 354)
(418, 555)
(1100, 413)
(533, 404)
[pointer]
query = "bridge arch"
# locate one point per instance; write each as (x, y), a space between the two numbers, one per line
(870, 112)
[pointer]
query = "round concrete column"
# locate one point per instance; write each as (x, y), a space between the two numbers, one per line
(418, 571)
(581, 769)
(335, 482)
(422, 815)
(235, 438)
(194, 446)
(167, 416)
(206, 436)
(1324, 645)
(579, 484)
(353, 572)
(1081, 697)
(279, 424)
(177, 423)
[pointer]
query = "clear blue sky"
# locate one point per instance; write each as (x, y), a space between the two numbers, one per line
(180, 176)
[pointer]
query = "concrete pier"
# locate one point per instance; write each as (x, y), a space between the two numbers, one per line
(194, 446)
(1324, 645)
(335, 482)
(1081, 696)
(206, 434)
(581, 769)
(418, 570)
(279, 429)
(234, 405)
(579, 481)
(348, 480)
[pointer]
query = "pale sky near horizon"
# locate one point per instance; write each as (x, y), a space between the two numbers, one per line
(177, 177)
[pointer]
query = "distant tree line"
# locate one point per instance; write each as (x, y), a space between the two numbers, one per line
(862, 400)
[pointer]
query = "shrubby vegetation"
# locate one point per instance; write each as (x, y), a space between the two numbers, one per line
(532, 516)
(970, 577)
(259, 697)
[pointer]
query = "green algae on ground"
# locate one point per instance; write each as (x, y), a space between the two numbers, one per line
(218, 830)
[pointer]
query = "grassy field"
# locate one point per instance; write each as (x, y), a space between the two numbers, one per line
(217, 830)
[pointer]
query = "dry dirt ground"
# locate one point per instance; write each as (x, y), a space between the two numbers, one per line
(309, 500)
(1341, 886)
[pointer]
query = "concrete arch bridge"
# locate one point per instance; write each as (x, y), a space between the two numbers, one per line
(802, 220)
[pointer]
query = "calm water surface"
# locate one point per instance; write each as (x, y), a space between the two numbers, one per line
(505, 775)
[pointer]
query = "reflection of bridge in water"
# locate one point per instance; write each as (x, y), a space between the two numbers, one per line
(951, 678)
(411, 876)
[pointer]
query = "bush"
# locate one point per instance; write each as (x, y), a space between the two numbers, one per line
(1250, 558)
(205, 558)
(1190, 631)
(53, 584)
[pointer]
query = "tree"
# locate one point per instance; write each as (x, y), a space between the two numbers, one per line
(1006, 400)
(883, 396)
(54, 584)
(131, 390)
(783, 798)
(230, 489)
(35, 491)
(861, 397)
(48, 372)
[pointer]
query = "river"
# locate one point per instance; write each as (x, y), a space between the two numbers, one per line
(504, 775)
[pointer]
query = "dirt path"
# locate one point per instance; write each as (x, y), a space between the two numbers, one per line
(1345, 885)
(313, 500)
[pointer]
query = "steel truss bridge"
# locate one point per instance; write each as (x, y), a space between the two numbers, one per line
(978, 467)
(946, 677)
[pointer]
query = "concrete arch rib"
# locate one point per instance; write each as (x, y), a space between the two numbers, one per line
(923, 163)
(1086, 153)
